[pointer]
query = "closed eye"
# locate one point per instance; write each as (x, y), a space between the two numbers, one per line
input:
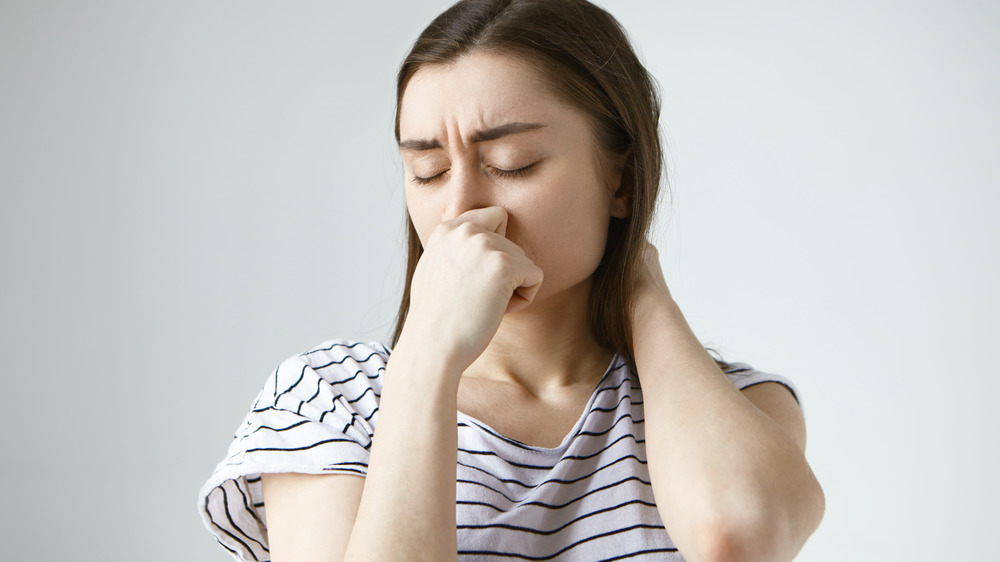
(511, 174)
(429, 179)
(498, 173)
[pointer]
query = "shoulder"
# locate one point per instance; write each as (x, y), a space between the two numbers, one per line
(746, 377)
(336, 362)
(336, 377)
(322, 402)
(342, 351)
(774, 395)
(314, 415)
(335, 358)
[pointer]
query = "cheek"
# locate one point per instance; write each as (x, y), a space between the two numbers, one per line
(565, 232)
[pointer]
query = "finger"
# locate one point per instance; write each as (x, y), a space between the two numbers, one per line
(530, 283)
(527, 294)
(493, 219)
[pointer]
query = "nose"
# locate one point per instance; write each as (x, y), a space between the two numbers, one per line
(464, 191)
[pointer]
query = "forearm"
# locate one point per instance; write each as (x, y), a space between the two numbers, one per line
(730, 483)
(407, 510)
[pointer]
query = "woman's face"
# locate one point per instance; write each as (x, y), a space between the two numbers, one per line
(486, 131)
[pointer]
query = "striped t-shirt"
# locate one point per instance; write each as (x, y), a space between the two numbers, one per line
(587, 499)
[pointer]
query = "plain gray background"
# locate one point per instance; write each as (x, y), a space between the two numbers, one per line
(194, 191)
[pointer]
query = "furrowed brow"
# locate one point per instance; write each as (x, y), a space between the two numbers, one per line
(419, 144)
(495, 133)
(485, 135)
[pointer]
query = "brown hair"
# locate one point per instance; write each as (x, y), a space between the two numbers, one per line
(590, 64)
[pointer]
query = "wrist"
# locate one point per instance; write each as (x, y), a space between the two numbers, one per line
(654, 310)
(659, 329)
(424, 366)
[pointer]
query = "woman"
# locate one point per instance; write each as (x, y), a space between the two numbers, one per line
(535, 311)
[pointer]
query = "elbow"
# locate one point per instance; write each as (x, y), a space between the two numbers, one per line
(718, 545)
(727, 541)
(766, 534)
(722, 544)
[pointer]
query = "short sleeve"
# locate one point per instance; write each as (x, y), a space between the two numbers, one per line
(745, 376)
(315, 415)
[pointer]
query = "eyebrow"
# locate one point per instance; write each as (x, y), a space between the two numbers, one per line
(485, 135)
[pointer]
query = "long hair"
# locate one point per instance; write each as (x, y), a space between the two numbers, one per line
(586, 56)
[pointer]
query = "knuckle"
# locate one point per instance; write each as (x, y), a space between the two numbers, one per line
(466, 228)
(498, 265)
(481, 241)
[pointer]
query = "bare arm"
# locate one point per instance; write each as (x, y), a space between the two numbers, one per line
(407, 511)
(296, 503)
(405, 507)
(730, 477)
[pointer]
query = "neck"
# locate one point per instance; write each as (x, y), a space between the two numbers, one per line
(547, 346)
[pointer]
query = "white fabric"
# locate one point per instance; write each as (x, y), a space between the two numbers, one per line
(588, 499)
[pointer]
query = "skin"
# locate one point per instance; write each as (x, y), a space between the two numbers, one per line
(554, 224)
(498, 325)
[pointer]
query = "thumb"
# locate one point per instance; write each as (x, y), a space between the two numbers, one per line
(524, 294)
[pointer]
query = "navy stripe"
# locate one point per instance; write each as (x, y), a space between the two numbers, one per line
(589, 493)
(620, 400)
(304, 447)
(367, 390)
(560, 461)
(224, 545)
(532, 501)
(616, 387)
(779, 382)
(519, 444)
(345, 463)
(274, 375)
(354, 418)
(553, 480)
(561, 527)
(484, 504)
(342, 469)
(508, 461)
(527, 447)
(638, 553)
(560, 551)
(246, 503)
(376, 376)
(322, 417)
(279, 429)
(319, 386)
(504, 438)
(570, 502)
(287, 390)
(232, 536)
(345, 358)
(612, 426)
(225, 505)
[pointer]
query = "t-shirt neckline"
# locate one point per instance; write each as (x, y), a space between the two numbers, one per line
(568, 438)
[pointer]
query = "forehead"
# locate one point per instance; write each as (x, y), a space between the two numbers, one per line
(479, 90)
